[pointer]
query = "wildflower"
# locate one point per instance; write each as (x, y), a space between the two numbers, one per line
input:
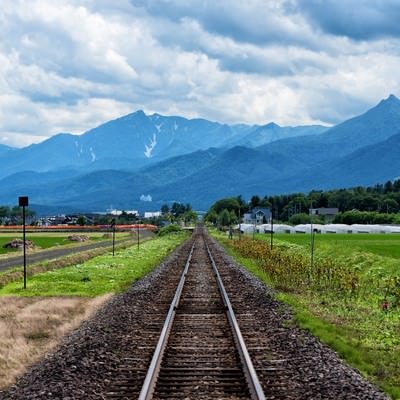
(385, 305)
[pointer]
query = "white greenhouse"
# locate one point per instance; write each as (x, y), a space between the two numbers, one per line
(306, 228)
(318, 228)
(246, 228)
(277, 228)
(336, 228)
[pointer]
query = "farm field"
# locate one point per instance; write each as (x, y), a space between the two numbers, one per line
(385, 245)
(45, 240)
(33, 320)
(349, 296)
(99, 275)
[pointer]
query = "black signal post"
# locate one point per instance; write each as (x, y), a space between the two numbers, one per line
(23, 202)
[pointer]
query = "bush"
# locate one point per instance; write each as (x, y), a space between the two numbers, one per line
(365, 217)
(166, 230)
(304, 218)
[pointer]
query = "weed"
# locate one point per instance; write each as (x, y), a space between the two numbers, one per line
(37, 335)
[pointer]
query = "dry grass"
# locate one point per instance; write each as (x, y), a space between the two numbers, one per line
(30, 327)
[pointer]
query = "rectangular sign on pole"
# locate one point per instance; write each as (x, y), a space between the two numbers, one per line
(23, 201)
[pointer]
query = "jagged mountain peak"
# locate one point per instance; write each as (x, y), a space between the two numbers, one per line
(271, 125)
(387, 104)
(376, 124)
(392, 98)
(139, 113)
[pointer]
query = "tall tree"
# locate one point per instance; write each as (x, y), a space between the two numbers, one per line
(164, 209)
(255, 201)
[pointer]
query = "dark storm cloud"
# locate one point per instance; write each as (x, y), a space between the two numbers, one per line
(254, 21)
(359, 20)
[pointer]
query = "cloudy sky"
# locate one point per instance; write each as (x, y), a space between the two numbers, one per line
(69, 65)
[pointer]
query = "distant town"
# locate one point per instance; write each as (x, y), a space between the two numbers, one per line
(10, 216)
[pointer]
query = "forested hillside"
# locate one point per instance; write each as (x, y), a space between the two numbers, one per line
(374, 204)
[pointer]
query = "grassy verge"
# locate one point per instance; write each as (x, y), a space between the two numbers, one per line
(102, 274)
(339, 300)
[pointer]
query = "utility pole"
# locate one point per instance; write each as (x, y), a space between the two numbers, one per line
(113, 235)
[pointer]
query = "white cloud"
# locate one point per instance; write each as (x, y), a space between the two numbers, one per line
(146, 198)
(72, 64)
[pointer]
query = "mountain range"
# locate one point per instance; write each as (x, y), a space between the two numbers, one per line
(142, 161)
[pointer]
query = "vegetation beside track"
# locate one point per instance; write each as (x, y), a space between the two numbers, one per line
(99, 275)
(350, 298)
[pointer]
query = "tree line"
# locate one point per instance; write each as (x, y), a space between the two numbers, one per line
(13, 215)
(178, 212)
(373, 204)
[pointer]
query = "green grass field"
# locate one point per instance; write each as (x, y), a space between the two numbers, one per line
(385, 245)
(100, 275)
(48, 240)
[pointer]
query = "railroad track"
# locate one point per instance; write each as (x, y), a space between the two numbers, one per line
(200, 353)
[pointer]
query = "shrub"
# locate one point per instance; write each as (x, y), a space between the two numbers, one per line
(166, 230)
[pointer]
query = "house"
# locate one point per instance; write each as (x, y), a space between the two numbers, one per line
(328, 214)
(247, 218)
(117, 213)
(258, 215)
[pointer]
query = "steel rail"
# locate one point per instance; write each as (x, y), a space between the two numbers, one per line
(253, 382)
(151, 377)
